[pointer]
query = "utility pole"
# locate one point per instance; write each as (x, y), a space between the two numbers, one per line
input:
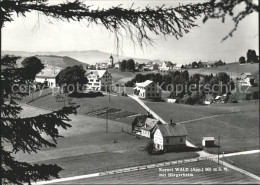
(218, 146)
(107, 120)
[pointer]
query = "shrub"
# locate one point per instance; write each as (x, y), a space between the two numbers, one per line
(149, 147)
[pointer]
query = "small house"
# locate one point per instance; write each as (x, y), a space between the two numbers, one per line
(247, 79)
(144, 126)
(148, 89)
(170, 136)
(48, 76)
(208, 141)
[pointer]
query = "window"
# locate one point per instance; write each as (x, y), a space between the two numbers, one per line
(148, 89)
(89, 83)
(157, 94)
(152, 94)
(97, 80)
(148, 94)
(152, 89)
(181, 140)
(91, 80)
(167, 141)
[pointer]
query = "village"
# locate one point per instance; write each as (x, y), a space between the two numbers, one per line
(149, 92)
(144, 115)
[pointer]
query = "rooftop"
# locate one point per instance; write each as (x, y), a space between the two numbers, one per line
(49, 72)
(208, 138)
(169, 130)
(144, 84)
(98, 73)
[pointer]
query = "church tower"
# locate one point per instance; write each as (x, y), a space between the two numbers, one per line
(111, 61)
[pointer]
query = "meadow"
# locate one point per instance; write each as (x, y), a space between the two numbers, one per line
(237, 124)
(250, 162)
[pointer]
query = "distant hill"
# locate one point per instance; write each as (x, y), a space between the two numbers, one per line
(233, 69)
(88, 57)
(50, 60)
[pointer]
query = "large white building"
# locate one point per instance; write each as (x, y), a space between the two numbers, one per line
(48, 76)
(170, 136)
(98, 80)
(148, 89)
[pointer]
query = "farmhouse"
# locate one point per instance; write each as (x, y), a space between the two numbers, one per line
(246, 79)
(48, 76)
(208, 141)
(98, 80)
(166, 66)
(170, 136)
(148, 89)
(144, 126)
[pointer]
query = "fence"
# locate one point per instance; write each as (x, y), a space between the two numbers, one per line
(134, 167)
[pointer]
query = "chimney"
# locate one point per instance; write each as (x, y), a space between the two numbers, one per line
(172, 122)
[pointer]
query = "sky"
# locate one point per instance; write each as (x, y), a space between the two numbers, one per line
(202, 43)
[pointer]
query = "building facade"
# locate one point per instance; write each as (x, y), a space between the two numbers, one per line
(246, 79)
(48, 76)
(148, 89)
(144, 126)
(98, 80)
(170, 136)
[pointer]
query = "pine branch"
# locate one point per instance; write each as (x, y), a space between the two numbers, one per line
(16, 172)
(162, 20)
(25, 133)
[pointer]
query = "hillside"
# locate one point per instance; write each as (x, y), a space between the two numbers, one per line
(233, 69)
(87, 57)
(58, 61)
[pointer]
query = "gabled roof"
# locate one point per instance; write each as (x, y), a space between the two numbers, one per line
(98, 73)
(150, 123)
(49, 72)
(208, 138)
(170, 130)
(144, 84)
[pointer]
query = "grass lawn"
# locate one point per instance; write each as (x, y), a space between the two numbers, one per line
(250, 162)
(120, 77)
(37, 94)
(233, 69)
(181, 112)
(86, 146)
(151, 176)
(118, 106)
(238, 131)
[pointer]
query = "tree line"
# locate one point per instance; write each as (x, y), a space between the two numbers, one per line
(202, 85)
(127, 65)
(251, 57)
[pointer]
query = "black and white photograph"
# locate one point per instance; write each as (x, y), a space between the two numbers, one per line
(129, 92)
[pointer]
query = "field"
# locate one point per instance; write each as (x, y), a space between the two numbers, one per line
(151, 176)
(233, 69)
(248, 162)
(118, 107)
(120, 77)
(87, 147)
(238, 131)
